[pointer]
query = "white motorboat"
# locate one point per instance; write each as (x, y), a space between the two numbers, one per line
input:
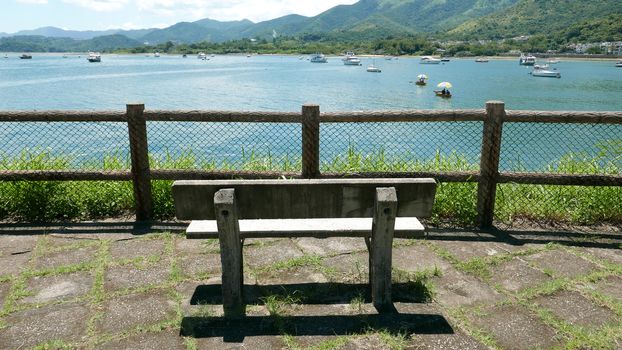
(156, 54)
(94, 57)
(619, 64)
(318, 58)
(429, 60)
(350, 59)
(373, 69)
(528, 60)
(481, 60)
(202, 56)
(553, 61)
(6, 56)
(541, 71)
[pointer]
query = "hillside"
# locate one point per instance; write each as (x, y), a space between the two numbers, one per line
(529, 17)
(37, 43)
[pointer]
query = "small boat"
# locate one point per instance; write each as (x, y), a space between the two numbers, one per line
(528, 60)
(481, 60)
(201, 56)
(6, 56)
(429, 60)
(156, 54)
(94, 57)
(444, 59)
(318, 58)
(388, 58)
(445, 93)
(184, 55)
(248, 55)
(552, 61)
(421, 80)
(619, 64)
(373, 69)
(212, 55)
(25, 57)
(543, 71)
(350, 59)
(440, 93)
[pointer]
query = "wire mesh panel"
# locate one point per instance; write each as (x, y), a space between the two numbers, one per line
(561, 148)
(253, 147)
(76, 146)
(400, 146)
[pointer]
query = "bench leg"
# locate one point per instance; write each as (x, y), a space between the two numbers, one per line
(230, 253)
(380, 252)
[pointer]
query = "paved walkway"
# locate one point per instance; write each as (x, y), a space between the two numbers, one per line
(101, 287)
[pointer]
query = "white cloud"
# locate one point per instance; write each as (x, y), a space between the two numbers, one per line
(236, 9)
(99, 5)
(36, 2)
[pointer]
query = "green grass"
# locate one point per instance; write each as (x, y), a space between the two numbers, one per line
(455, 202)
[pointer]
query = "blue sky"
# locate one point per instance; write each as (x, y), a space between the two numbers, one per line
(17, 15)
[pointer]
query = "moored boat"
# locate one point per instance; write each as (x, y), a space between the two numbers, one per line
(318, 58)
(373, 69)
(528, 60)
(619, 64)
(421, 80)
(25, 57)
(481, 60)
(429, 60)
(543, 71)
(94, 57)
(350, 59)
(202, 56)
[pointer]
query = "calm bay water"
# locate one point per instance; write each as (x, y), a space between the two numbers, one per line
(284, 83)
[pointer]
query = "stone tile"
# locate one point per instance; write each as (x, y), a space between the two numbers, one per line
(68, 257)
(457, 340)
(14, 264)
(455, 288)
(366, 342)
(129, 276)
(562, 263)
(133, 248)
(189, 246)
(58, 288)
(290, 276)
(126, 312)
(348, 268)
(575, 309)
(10, 244)
(282, 250)
(255, 343)
(188, 289)
(200, 264)
(611, 286)
(609, 254)
(467, 250)
(417, 258)
(168, 339)
(28, 328)
(330, 246)
(516, 275)
(515, 328)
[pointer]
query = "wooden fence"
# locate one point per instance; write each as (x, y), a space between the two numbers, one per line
(493, 119)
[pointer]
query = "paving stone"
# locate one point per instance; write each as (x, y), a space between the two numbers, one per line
(254, 342)
(126, 312)
(68, 257)
(14, 264)
(611, 286)
(366, 342)
(575, 309)
(282, 250)
(514, 328)
(28, 328)
(417, 258)
(457, 340)
(59, 287)
(133, 248)
(455, 288)
(562, 263)
(348, 268)
(168, 339)
(613, 255)
(189, 246)
(200, 264)
(330, 246)
(289, 276)
(187, 290)
(14, 244)
(129, 276)
(516, 275)
(467, 250)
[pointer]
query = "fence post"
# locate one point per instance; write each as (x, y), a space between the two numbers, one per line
(141, 175)
(489, 163)
(310, 141)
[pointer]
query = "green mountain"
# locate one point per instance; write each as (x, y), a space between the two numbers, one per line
(608, 28)
(37, 43)
(529, 17)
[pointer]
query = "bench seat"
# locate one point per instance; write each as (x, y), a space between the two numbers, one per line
(405, 227)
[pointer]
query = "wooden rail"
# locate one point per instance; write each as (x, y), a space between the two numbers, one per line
(310, 119)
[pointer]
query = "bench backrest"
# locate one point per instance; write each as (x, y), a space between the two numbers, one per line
(299, 199)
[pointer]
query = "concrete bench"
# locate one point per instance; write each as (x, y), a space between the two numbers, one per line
(375, 209)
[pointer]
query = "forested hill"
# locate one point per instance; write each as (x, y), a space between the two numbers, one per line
(530, 17)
